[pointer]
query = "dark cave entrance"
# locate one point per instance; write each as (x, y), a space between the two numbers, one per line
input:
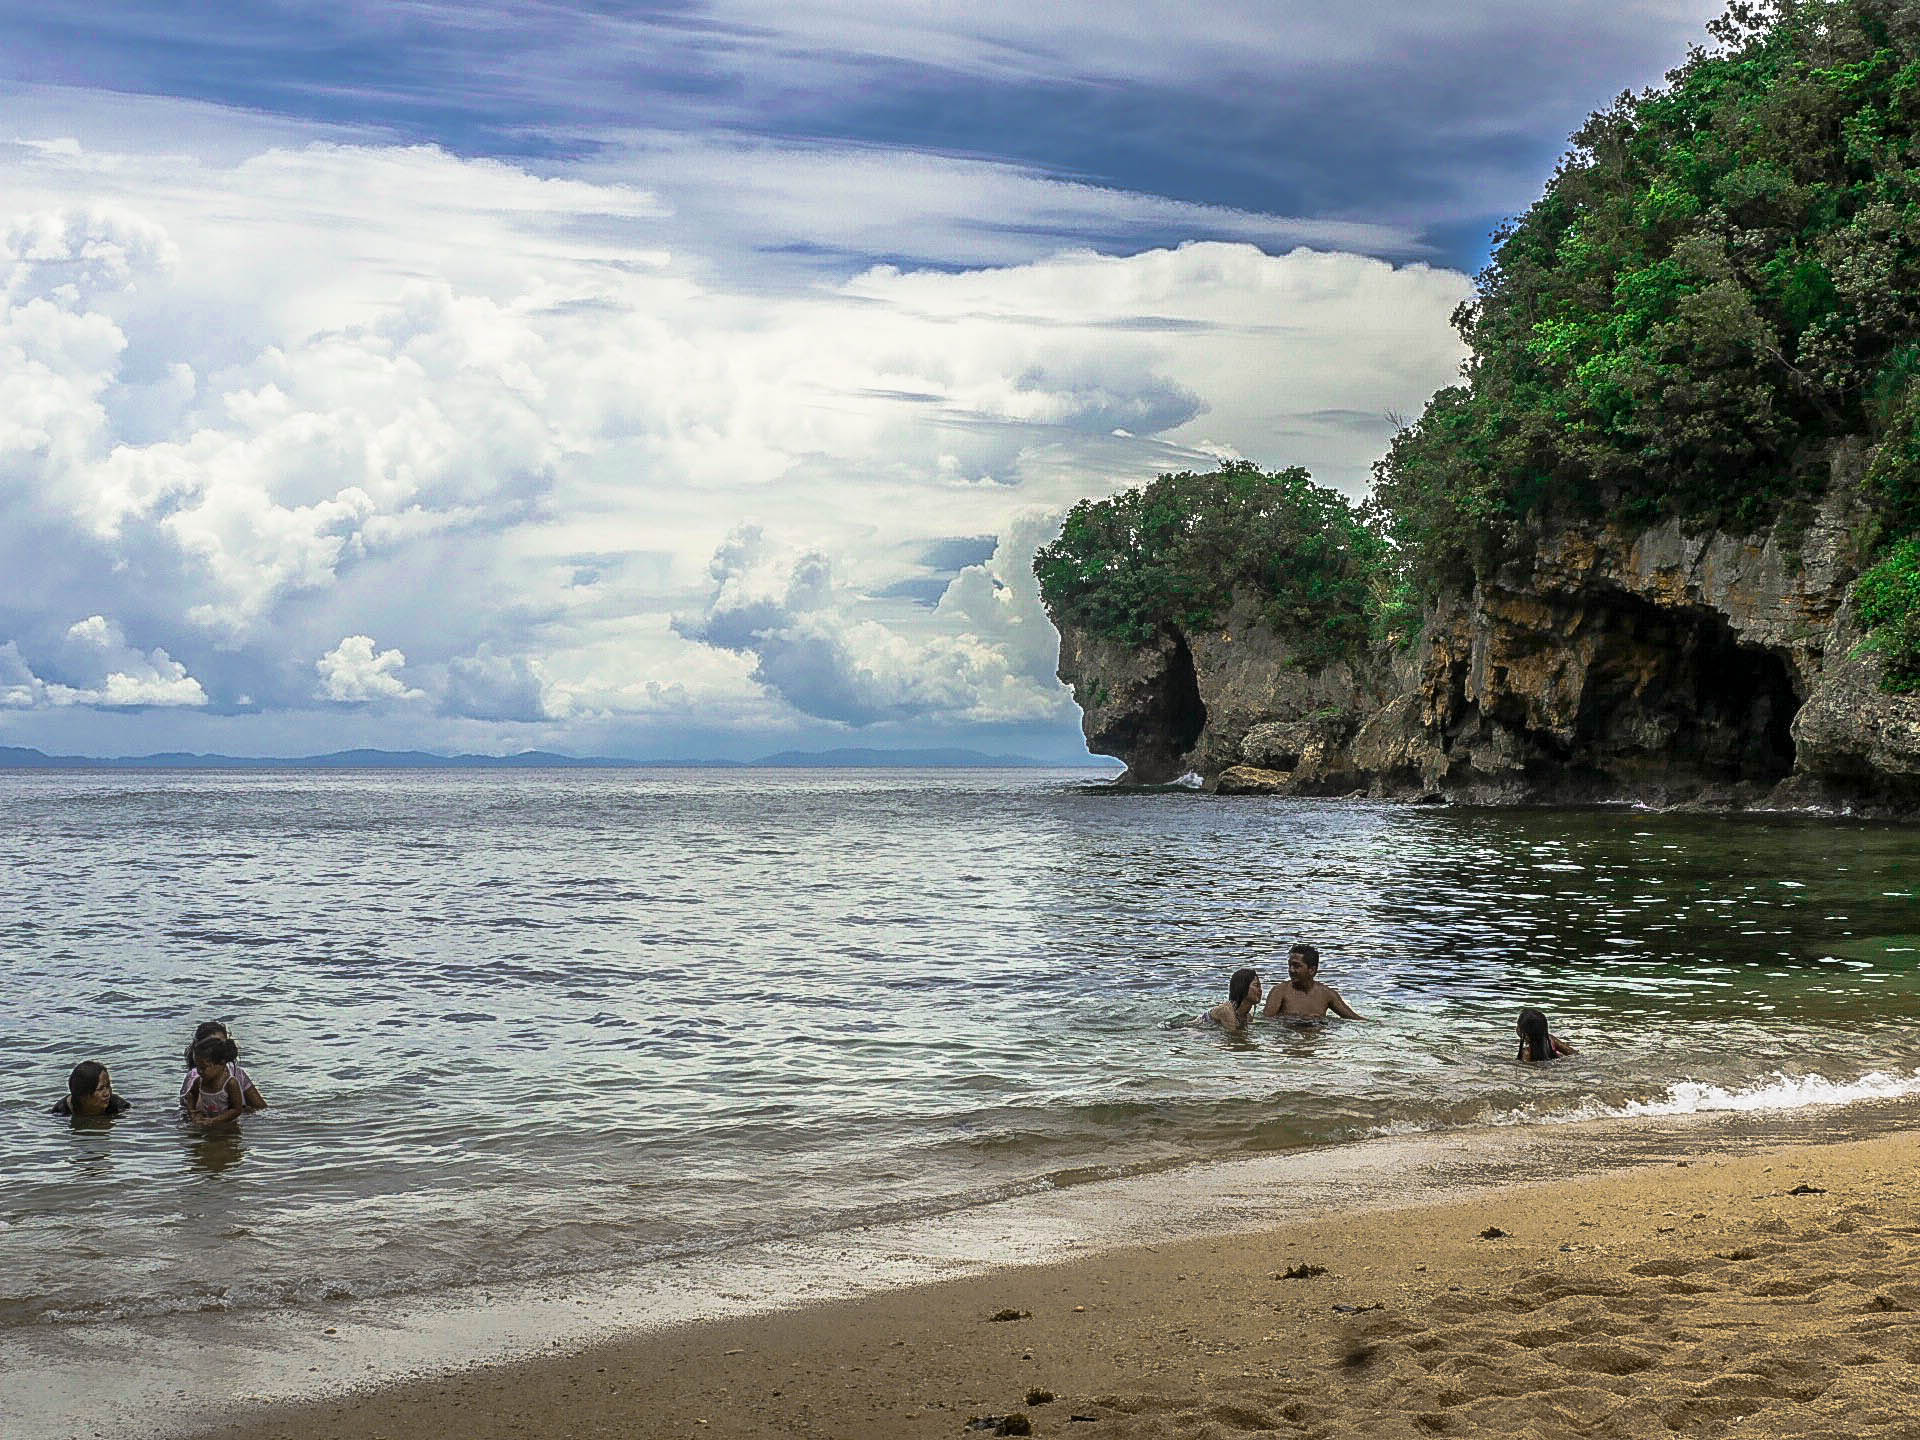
(1676, 689)
(1157, 737)
(1186, 712)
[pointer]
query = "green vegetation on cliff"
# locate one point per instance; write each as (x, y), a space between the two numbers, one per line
(1721, 281)
(1718, 290)
(1173, 553)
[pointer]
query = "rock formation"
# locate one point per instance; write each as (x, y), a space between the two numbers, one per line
(1605, 663)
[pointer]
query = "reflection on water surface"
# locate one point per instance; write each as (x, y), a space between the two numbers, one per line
(524, 1023)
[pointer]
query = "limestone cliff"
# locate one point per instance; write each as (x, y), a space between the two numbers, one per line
(1606, 663)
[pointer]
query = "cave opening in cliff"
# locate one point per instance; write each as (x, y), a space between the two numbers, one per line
(1678, 689)
(1186, 712)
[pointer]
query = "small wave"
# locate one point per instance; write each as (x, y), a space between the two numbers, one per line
(1192, 780)
(1780, 1092)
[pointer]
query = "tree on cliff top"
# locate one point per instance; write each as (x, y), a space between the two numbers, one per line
(1721, 279)
(1172, 554)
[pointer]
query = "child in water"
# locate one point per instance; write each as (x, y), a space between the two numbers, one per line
(210, 1030)
(89, 1093)
(1243, 993)
(1535, 1042)
(213, 1093)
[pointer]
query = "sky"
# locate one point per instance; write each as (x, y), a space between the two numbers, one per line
(695, 379)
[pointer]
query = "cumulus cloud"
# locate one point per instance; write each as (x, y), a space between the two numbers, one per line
(355, 672)
(106, 673)
(262, 418)
(486, 686)
(84, 253)
(785, 609)
(20, 688)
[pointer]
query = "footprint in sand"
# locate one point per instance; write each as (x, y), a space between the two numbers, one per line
(1665, 1267)
(1602, 1359)
(1786, 1289)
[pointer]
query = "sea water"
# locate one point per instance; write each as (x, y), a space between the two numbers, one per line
(516, 1027)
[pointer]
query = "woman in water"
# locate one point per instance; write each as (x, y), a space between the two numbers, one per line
(1535, 1042)
(89, 1093)
(1243, 993)
(210, 1030)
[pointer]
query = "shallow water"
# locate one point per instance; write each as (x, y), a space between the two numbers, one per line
(534, 1024)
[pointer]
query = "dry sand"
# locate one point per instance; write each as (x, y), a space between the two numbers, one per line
(1696, 1298)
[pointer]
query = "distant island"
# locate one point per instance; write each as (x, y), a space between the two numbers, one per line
(14, 757)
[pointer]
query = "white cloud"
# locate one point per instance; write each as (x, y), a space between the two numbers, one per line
(486, 686)
(109, 674)
(20, 688)
(786, 611)
(354, 672)
(828, 202)
(259, 404)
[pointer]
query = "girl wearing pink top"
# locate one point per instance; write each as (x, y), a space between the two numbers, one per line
(210, 1030)
(213, 1093)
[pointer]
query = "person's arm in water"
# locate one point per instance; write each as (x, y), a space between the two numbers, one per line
(1340, 1007)
(1224, 1015)
(236, 1105)
(253, 1098)
(1560, 1047)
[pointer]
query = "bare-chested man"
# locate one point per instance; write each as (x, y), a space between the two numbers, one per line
(1303, 997)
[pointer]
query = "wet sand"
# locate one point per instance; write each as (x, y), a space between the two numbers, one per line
(1692, 1297)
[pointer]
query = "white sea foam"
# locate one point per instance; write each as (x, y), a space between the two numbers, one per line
(1775, 1095)
(1781, 1092)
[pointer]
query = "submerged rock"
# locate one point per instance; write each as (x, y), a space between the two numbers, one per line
(1251, 780)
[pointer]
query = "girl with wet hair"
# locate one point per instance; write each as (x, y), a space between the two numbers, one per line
(213, 1094)
(217, 1030)
(1243, 993)
(1535, 1042)
(89, 1093)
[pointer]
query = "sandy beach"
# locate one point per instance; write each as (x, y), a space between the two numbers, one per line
(1770, 1294)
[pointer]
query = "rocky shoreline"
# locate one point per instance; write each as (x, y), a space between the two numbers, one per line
(1602, 664)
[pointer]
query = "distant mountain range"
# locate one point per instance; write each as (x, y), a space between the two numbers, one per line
(16, 758)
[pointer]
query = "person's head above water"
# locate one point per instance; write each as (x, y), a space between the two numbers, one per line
(90, 1089)
(212, 1056)
(1303, 963)
(1245, 983)
(206, 1030)
(1535, 1042)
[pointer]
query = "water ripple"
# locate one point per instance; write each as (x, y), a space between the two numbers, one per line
(531, 1024)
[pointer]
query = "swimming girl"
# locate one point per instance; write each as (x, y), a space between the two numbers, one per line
(1535, 1042)
(89, 1093)
(1243, 993)
(213, 1094)
(208, 1030)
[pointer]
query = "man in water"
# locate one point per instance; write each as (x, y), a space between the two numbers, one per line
(1303, 997)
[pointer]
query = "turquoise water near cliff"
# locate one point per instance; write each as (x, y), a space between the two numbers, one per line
(540, 1024)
